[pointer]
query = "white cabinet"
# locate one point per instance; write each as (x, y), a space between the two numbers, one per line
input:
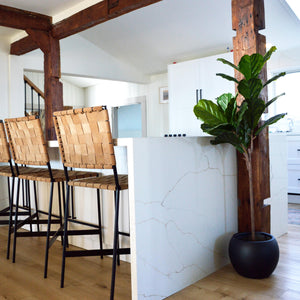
(294, 164)
(187, 77)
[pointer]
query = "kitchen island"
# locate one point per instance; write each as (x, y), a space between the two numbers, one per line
(181, 206)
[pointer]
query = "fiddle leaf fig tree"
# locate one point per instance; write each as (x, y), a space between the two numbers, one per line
(240, 125)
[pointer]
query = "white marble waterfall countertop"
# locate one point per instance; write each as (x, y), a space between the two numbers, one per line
(183, 208)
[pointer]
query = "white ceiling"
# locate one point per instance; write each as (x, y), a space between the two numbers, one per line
(171, 30)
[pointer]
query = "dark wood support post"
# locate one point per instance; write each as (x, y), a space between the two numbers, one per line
(248, 17)
(52, 86)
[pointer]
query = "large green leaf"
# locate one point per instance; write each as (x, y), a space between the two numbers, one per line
(245, 66)
(230, 78)
(269, 53)
(250, 88)
(231, 109)
(209, 112)
(217, 130)
(226, 62)
(274, 78)
(257, 63)
(269, 122)
(223, 100)
(258, 109)
(250, 66)
(230, 138)
(274, 99)
(241, 112)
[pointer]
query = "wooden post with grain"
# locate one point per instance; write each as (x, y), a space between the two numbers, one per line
(248, 17)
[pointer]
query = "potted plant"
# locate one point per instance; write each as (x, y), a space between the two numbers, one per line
(252, 254)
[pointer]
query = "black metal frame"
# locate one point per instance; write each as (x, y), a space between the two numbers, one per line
(115, 251)
(34, 218)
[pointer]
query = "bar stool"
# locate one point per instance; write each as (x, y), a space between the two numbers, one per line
(85, 141)
(10, 172)
(7, 171)
(28, 147)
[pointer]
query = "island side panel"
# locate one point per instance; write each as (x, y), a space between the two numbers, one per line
(183, 212)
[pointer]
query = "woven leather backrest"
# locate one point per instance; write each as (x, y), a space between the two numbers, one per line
(84, 138)
(4, 149)
(27, 141)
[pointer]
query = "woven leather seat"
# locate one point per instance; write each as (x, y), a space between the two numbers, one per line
(28, 147)
(57, 175)
(85, 141)
(102, 183)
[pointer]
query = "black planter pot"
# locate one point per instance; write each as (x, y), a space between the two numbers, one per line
(254, 259)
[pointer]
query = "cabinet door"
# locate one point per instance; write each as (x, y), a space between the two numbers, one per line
(183, 82)
(184, 79)
(294, 150)
(212, 85)
(294, 179)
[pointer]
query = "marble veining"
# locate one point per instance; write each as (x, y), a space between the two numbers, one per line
(185, 211)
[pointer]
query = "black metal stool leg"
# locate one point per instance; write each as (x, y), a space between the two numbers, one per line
(48, 230)
(16, 222)
(72, 203)
(59, 208)
(115, 246)
(99, 221)
(8, 187)
(23, 193)
(11, 199)
(28, 202)
(65, 237)
(36, 207)
(118, 245)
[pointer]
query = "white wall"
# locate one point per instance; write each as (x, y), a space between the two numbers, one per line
(158, 114)
(4, 79)
(72, 94)
(114, 93)
(82, 58)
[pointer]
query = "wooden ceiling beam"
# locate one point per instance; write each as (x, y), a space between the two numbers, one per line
(120, 7)
(23, 46)
(81, 21)
(22, 19)
(87, 18)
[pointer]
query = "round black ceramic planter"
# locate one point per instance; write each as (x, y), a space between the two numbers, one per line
(254, 259)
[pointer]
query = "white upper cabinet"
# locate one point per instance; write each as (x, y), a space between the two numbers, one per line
(185, 79)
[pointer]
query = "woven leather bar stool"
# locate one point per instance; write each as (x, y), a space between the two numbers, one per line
(6, 170)
(28, 147)
(10, 172)
(85, 141)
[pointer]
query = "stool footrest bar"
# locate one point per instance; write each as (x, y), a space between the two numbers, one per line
(76, 253)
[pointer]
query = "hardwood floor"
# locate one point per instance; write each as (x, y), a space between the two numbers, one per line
(284, 283)
(87, 278)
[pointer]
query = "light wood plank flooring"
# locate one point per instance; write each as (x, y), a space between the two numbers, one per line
(87, 278)
(284, 283)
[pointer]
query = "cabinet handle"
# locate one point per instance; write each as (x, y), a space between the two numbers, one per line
(199, 96)
(298, 149)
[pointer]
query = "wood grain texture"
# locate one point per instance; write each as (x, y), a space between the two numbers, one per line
(82, 20)
(22, 19)
(87, 18)
(226, 284)
(87, 278)
(52, 86)
(247, 19)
